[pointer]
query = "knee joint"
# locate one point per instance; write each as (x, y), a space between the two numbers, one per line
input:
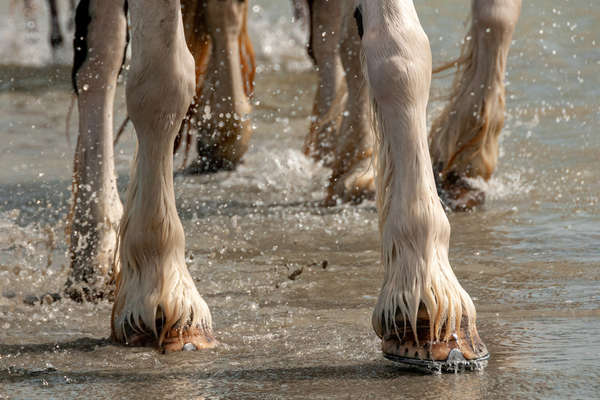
(403, 75)
(225, 16)
(161, 88)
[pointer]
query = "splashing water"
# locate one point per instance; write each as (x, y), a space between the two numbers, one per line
(505, 186)
(288, 171)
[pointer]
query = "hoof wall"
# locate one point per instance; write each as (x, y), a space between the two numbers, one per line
(455, 362)
(187, 339)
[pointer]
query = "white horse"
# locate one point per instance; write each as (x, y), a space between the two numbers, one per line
(423, 316)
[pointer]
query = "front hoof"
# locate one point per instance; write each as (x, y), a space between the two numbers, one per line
(176, 339)
(456, 362)
(187, 339)
(458, 354)
(462, 351)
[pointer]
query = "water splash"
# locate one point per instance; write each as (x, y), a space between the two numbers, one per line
(501, 187)
(29, 255)
(288, 171)
(277, 38)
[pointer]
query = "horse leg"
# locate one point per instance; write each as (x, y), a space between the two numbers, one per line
(226, 67)
(199, 43)
(423, 315)
(326, 26)
(96, 209)
(352, 177)
(464, 138)
(56, 37)
(156, 300)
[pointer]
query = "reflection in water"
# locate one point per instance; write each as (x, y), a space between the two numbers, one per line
(529, 258)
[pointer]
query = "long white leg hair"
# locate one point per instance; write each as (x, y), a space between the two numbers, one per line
(464, 137)
(352, 178)
(414, 229)
(154, 286)
(330, 98)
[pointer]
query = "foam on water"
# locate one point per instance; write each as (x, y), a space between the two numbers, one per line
(31, 256)
(277, 38)
(288, 171)
(508, 185)
(20, 242)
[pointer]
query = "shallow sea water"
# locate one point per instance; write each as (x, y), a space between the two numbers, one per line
(530, 258)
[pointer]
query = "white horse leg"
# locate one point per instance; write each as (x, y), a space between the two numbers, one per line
(156, 301)
(326, 28)
(423, 313)
(352, 177)
(464, 138)
(96, 209)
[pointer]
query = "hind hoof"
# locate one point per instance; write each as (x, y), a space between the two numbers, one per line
(457, 193)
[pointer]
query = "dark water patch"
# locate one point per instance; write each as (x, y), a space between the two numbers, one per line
(33, 79)
(81, 344)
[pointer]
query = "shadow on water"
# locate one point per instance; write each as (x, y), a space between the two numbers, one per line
(34, 78)
(228, 208)
(81, 344)
(372, 371)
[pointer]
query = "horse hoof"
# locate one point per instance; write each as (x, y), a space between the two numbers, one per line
(187, 339)
(455, 362)
(461, 351)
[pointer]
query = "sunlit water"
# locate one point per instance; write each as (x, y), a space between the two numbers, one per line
(530, 258)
